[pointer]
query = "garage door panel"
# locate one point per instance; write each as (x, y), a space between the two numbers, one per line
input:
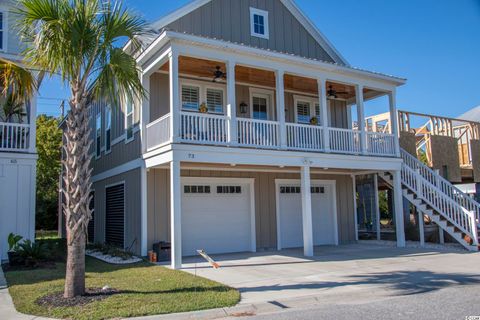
(216, 222)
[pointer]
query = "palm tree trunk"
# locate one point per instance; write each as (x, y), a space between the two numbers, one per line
(76, 191)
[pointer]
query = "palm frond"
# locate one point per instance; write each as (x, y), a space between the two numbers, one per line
(16, 80)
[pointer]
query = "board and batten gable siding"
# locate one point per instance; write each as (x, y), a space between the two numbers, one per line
(158, 181)
(132, 208)
(229, 20)
(160, 99)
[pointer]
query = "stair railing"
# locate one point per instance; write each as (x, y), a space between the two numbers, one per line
(455, 206)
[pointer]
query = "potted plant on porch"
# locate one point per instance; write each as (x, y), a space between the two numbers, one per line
(14, 258)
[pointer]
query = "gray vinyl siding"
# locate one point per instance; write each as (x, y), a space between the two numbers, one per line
(160, 99)
(121, 152)
(132, 208)
(265, 203)
(230, 20)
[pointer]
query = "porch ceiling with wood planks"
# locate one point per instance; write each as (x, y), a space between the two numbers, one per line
(205, 68)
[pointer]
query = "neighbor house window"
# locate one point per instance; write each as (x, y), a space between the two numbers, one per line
(129, 108)
(259, 23)
(2, 30)
(108, 129)
(98, 135)
(215, 100)
(190, 98)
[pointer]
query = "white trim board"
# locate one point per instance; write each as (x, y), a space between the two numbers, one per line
(331, 183)
(128, 166)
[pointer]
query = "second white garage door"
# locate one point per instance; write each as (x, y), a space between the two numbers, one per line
(217, 215)
(289, 213)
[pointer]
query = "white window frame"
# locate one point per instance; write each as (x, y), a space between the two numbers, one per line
(261, 93)
(4, 29)
(264, 14)
(203, 86)
(98, 135)
(313, 101)
(127, 139)
(108, 127)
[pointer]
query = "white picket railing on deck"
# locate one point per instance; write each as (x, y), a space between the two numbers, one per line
(158, 132)
(344, 140)
(203, 128)
(440, 194)
(380, 144)
(14, 136)
(304, 137)
(258, 133)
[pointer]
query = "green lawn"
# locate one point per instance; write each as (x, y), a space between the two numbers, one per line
(146, 290)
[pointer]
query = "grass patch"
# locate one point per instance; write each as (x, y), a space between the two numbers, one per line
(145, 289)
(46, 234)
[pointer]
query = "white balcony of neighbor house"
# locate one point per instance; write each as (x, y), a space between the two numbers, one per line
(17, 130)
(228, 104)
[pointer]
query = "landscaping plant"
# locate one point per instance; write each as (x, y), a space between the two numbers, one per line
(78, 40)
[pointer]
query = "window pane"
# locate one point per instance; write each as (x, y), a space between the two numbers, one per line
(215, 100)
(260, 108)
(303, 112)
(190, 98)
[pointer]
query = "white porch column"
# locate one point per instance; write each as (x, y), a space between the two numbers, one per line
(377, 206)
(394, 120)
(322, 101)
(421, 230)
(280, 102)
(398, 207)
(144, 210)
(354, 196)
(231, 104)
(145, 112)
(175, 215)
(361, 118)
(33, 125)
(306, 211)
(174, 97)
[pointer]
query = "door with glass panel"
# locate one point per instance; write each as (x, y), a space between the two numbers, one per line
(261, 132)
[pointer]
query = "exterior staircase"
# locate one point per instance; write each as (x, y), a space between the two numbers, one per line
(452, 210)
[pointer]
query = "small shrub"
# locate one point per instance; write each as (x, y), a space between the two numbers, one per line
(13, 240)
(110, 250)
(32, 252)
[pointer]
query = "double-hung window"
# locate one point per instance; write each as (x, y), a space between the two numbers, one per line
(129, 111)
(3, 32)
(98, 135)
(215, 100)
(108, 129)
(190, 98)
(259, 23)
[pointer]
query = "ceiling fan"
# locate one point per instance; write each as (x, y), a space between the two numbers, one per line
(218, 74)
(333, 94)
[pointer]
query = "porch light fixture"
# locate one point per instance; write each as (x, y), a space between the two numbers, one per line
(243, 108)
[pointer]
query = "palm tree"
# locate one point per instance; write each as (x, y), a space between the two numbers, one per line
(12, 107)
(78, 39)
(16, 80)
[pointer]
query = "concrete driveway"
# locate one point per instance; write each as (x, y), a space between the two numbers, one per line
(337, 273)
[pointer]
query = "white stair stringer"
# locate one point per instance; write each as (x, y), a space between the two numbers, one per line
(457, 226)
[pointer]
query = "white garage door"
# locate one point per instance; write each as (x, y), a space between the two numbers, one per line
(216, 216)
(290, 214)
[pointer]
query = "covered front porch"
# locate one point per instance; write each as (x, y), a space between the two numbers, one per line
(197, 99)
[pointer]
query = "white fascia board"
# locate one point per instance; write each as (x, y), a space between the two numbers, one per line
(308, 24)
(192, 45)
(177, 14)
(244, 156)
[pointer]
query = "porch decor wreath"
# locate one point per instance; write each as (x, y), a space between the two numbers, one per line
(203, 108)
(313, 121)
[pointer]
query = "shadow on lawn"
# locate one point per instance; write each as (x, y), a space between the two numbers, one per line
(400, 283)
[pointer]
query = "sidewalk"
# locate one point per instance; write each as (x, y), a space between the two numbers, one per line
(7, 310)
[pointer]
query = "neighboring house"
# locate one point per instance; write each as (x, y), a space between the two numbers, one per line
(245, 140)
(18, 156)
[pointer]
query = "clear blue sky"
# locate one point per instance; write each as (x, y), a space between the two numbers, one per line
(435, 44)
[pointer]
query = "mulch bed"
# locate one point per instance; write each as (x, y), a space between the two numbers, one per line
(92, 294)
(39, 265)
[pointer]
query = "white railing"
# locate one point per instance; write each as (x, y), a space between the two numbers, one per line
(258, 133)
(380, 144)
(304, 137)
(14, 137)
(457, 207)
(344, 140)
(203, 128)
(158, 132)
